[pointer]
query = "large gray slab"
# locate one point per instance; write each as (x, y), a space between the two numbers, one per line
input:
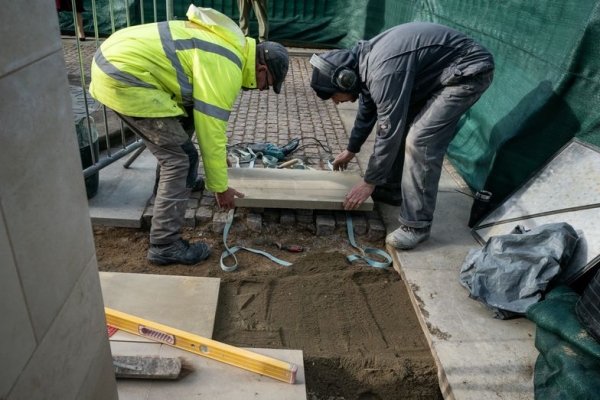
(43, 195)
(210, 379)
(478, 357)
(28, 43)
(19, 331)
(123, 193)
(182, 302)
(294, 188)
(73, 345)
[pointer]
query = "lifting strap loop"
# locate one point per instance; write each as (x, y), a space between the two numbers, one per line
(363, 252)
(231, 251)
(247, 155)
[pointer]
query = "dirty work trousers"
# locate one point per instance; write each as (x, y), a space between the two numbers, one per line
(260, 9)
(169, 140)
(420, 160)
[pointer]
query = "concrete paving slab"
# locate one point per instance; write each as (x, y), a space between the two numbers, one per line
(182, 302)
(294, 188)
(210, 379)
(478, 357)
(123, 193)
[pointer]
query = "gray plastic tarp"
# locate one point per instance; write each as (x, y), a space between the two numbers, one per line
(511, 272)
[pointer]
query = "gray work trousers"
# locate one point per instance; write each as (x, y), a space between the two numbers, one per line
(426, 143)
(260, 9)
(177, 170)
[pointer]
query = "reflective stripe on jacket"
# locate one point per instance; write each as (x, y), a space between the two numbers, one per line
(155, 70)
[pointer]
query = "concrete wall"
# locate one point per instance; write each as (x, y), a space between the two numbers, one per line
(53, 341)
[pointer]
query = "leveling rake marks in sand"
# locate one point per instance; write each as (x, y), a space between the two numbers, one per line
(196, 344)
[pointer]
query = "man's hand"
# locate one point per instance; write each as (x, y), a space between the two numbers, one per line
(357, 195)
(226, 200)
(341, 162)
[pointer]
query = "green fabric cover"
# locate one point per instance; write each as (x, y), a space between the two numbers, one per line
(568, 366)
(546, 88)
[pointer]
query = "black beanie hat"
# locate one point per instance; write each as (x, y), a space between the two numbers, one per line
(323, 83)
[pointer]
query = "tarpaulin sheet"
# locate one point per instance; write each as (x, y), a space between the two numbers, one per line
(511, 272)
(546, 88)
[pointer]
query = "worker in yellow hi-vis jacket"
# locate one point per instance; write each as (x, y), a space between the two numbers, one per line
(168, 79)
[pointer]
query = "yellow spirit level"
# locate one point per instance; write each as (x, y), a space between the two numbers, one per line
(196, 344)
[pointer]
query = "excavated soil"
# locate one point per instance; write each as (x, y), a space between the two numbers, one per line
(354, 323)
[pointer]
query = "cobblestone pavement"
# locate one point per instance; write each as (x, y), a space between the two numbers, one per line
(296, 113)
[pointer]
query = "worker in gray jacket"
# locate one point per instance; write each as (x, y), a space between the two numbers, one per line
(415, 81)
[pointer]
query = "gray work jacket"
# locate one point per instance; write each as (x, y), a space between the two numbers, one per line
(402, 67)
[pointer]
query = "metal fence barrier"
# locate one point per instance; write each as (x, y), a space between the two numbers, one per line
(111, 152)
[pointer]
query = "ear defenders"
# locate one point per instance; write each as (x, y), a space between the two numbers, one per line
(342, 77)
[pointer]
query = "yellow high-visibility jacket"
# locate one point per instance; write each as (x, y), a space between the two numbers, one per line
(155, 70)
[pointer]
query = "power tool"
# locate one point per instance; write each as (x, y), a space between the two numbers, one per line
(269, 149)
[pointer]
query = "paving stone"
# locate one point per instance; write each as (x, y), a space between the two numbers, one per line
(190, 218)
(254, 221)
(147, 215)
(208, 201)
(239, 220)
(302, 211)
(359, 223)
(257, 210)
(325, 224)
(288, 217)
(240, 213)
(196, 195)
(204, 214)
(305, 219)
(192, 203)
(219, 221)
(272, 216)
(340, 218)
(376, 229)
(310, 227)
(238, 226)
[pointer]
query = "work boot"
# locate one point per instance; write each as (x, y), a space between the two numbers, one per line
(385, 195)
(406, 238)
(179, 252)
(199, 185)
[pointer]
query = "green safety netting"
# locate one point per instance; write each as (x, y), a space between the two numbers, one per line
(568, 366)
(546, 88)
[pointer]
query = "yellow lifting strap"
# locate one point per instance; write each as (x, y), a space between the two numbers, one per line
(196, 344)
